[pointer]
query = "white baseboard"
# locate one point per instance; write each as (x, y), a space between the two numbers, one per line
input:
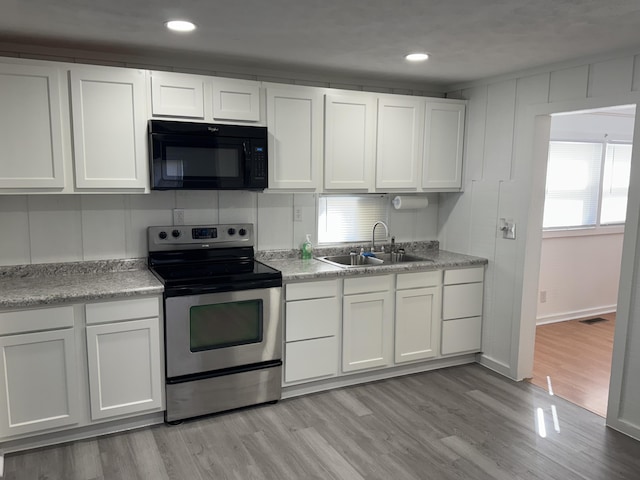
(574, 315)
(290, 391)
(496, 366)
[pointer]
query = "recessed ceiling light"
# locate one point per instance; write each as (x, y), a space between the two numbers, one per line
(417, 57)
(180, 26)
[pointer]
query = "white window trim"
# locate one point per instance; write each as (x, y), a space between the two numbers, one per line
(584, 231)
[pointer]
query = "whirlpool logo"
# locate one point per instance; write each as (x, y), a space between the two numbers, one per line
(213, 129)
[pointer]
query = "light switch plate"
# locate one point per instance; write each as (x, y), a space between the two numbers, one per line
(508, 228)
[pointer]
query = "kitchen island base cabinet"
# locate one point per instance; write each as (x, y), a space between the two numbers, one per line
(367, 328)
(38, 374)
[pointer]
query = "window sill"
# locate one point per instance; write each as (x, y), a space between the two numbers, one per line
(583, 232)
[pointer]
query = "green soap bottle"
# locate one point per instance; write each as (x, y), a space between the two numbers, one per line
(307, 248)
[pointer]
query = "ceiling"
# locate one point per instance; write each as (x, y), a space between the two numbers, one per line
(467, 39)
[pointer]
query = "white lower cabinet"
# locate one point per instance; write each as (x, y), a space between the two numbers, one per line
(396, 320)
(417, 322)
(124, 367)
(312, 317)
(44, 385)
(367, 324)
(462, 300)
(38, 375)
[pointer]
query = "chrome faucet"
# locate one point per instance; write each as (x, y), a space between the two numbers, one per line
(373, 234)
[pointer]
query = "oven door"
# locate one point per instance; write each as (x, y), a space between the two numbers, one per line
(213, 331)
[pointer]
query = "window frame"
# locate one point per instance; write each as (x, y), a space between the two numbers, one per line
(598, 228)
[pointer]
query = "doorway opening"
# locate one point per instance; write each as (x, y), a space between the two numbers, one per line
(586, 191)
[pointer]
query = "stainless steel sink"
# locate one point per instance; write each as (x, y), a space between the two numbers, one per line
(344, 261)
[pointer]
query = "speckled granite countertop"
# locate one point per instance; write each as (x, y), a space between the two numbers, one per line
(26, 286)
(293, 268)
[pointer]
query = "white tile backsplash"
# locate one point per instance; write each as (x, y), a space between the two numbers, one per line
(14, 230)
(200, 206)
(144, 211)
(61, 228)
(103, 227)
(238, 206)
(55, 228)
(275, 221)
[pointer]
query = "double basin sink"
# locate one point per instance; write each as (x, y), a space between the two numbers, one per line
(348, 261)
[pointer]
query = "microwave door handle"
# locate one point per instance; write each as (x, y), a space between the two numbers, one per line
(247, 151)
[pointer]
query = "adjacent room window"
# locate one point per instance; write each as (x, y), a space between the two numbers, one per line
(351, 218)
(587, 184)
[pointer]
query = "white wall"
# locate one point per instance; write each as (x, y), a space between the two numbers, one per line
(502, 180)
(579, 276)
(67, 228)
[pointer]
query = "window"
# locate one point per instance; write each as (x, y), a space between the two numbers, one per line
(351, 218)
(587, 184)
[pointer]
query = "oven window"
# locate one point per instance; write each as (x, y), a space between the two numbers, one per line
(224, 325)
(201, 162)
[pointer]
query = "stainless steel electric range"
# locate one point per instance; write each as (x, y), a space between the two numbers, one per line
(223, 334)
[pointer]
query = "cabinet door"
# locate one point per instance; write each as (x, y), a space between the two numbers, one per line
(38, 377)
(125, 373)
(444, 131)
(366, 331)
(30, 127)
(417, 323)
(459, 301)
(400, 138)
(350, 130)
(236, 100)
(177, 95)
(109, 128)
(311, 359)
(294, 122)
(462, 335)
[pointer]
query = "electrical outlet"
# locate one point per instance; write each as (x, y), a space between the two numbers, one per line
(543, 296)
(297, 214)
(178, 216)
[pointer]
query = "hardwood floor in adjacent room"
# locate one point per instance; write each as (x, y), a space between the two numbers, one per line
(456, 423)
(577, 358)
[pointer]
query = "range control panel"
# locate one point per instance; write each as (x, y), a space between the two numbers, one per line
(180, 237)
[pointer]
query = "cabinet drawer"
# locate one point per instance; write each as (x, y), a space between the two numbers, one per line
(122, 310)
(301, 291)
(461, 335)
(23, 321)
(311, 359)
(418, 279)
(368, 284)
(464, 275)
(462, 300)
(312, 319)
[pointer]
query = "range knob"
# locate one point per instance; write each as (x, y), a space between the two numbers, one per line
(242, 232)
(175, 233)
(231, 231)
(162, 235)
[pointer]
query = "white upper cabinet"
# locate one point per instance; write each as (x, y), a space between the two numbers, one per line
(236, 100)
(109, 128)
(399, 146)
(444, 131)
(177, 95)
(32, 155)
(350, 141)
(294, 123)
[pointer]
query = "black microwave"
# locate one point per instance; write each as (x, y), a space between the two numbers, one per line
(202, 156)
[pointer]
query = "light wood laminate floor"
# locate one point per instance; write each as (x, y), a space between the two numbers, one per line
(456, 423)
(577, 358)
